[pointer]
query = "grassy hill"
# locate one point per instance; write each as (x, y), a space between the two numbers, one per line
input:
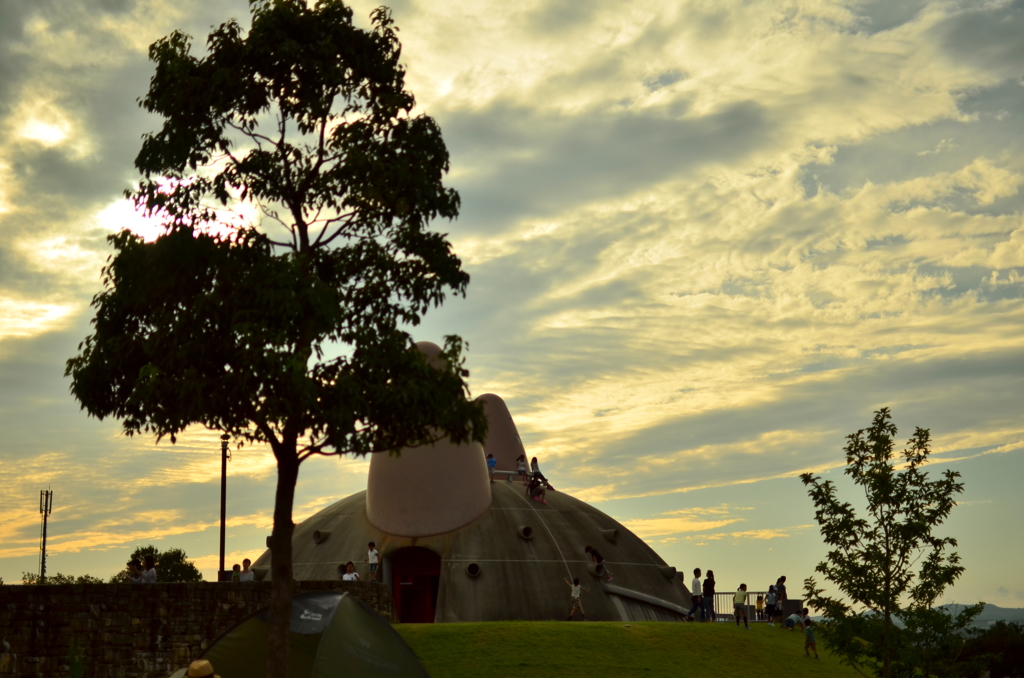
(612, 649)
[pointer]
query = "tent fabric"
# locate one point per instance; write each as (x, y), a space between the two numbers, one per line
(331, 635)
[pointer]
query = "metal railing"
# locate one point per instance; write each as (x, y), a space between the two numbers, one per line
(723, 606)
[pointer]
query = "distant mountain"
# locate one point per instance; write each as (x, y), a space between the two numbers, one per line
(989, 616)
(992, 614)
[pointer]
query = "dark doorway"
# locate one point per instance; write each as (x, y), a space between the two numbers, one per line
(415, 575)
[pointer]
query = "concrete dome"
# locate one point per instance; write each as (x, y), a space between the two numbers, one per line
(521, 550)
(475, 551)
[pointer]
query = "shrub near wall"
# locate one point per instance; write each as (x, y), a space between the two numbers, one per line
(133, 630)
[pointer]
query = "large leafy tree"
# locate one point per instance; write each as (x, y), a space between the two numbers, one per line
(296, 187)
(891, 565)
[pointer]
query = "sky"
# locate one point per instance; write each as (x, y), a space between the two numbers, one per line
(706, 239)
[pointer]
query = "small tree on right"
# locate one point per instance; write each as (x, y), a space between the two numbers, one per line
(890, 566)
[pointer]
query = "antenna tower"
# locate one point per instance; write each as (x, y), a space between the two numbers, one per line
(45, 508)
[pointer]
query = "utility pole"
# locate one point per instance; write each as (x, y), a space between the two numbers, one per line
(45, 507)
(225, 457)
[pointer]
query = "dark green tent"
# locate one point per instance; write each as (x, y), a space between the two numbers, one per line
(331, 635)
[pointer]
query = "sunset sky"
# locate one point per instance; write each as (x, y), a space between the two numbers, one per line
(706, 239)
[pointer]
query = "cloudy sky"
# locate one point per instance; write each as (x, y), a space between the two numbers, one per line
(706, 240)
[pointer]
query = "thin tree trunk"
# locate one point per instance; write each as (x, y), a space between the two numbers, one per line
(886, 662)
(281, 562)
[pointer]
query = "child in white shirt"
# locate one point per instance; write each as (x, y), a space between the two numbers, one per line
(372, 558)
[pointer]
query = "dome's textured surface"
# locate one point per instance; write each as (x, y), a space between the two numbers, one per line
(488, 570)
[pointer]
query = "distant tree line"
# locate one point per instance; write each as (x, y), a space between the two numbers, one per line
(999, 649)
(173, 565)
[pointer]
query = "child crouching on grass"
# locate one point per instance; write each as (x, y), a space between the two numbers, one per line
(809, 643)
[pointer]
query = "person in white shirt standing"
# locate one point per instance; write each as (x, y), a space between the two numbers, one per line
(246, 574)
(372, 557)
(574, 594)
(695, 592)
(350, 572)
(149, 573)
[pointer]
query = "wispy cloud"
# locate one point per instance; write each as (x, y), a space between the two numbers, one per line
(706, 241)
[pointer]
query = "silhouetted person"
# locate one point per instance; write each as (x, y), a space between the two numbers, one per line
(695, 594)
(599, 560)
(149, 573)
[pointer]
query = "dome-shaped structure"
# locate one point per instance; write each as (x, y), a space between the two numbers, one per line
(507, 562)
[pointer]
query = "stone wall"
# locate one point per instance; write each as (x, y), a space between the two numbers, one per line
(133, 630)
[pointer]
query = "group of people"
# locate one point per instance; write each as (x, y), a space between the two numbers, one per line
(703, 596)
(144, 572)
(537, 485)
(770, 608)
(372, 559)
(240, 573)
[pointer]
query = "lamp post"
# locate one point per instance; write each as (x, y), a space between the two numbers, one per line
(45, 507)
(225, 457)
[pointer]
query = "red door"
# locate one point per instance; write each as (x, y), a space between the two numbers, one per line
(415, 575)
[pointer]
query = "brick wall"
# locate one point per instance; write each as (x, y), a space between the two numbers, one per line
(133, 630)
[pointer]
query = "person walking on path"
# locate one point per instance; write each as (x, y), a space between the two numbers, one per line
(739, 605)
(599, 561)
(574, 594)
(492, 465)
(709, 596)
(695, 595)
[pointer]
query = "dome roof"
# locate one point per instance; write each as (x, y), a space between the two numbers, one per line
(508, 563)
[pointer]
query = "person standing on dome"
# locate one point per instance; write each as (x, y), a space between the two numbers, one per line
(372, 557)
(521, 469)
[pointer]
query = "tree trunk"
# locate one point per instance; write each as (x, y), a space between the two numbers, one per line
(886, 660)
(281, 562)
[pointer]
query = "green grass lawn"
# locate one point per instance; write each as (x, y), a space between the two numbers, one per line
(611, 649)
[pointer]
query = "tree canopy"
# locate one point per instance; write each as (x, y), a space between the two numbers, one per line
(32, 578)
(173, 565)
(891, 565)
(297, 188)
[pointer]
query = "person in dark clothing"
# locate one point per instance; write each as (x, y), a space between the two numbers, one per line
(538, 490)
(535, 467)
(709, 597)
(599, 559)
